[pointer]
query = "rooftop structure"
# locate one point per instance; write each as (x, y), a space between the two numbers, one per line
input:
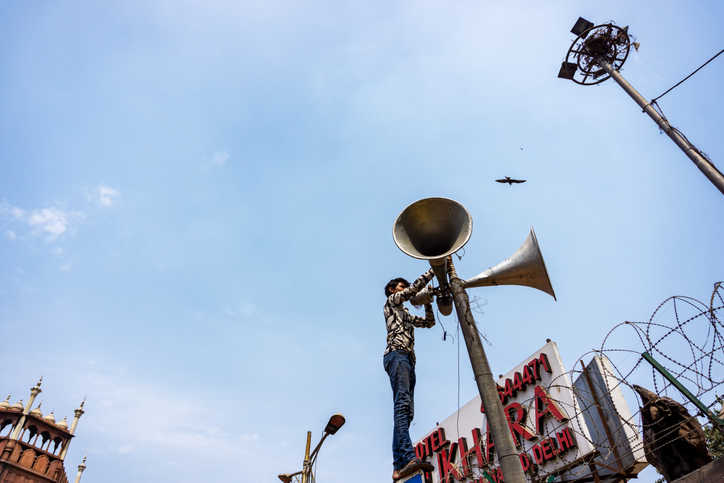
(33, 446)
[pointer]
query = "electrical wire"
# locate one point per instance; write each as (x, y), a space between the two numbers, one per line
(687, 77)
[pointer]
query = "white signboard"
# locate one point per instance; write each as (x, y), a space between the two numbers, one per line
(543, 417)
(614, 432)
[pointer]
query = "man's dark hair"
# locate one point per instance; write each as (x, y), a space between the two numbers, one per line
(393, 283)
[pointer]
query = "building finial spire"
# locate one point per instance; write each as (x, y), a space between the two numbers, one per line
(34, 391)
(81, 467)
(78, 413)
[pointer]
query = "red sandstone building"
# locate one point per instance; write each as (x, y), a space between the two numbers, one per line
(33, 446)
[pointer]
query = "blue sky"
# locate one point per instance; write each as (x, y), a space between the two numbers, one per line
(197, 198)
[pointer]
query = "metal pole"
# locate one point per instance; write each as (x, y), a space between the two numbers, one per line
(704, 165)
(503, 440)
(702, 407)
(305, 470)
(315, 451)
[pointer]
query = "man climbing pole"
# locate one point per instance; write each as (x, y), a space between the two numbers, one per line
(399, 363)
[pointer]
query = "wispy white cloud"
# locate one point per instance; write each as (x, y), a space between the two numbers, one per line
(244, 309)
(104, 196)
(54, 221)
(125, 448)
(10, 212)
(168, 420)
(107, 195)
(217, 160)
(248, 437)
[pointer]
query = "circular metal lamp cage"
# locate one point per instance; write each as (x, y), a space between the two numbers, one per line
(607, 42)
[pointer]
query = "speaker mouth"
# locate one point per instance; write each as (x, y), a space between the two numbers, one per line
(432, 228)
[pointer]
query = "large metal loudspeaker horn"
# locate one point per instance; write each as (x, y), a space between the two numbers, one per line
(433, 228)
(525, 267)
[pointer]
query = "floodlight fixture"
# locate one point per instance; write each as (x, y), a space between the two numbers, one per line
(568, 70)
(581, 26)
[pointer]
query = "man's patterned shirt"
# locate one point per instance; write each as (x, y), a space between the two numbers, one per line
(400, 323)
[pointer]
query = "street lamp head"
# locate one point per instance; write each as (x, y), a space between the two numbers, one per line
(286, 478)
(335, 422)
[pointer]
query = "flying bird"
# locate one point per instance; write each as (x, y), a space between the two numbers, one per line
(510, 181)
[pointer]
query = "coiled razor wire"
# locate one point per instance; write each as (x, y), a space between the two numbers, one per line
(686, 337)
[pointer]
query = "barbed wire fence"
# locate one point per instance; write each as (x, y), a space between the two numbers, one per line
(686, 337)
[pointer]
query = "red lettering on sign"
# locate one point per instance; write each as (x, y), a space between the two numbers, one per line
(420, 451)
(428, 445)
(528, 377)
(536, 364)
(478, 446)
(535, 369)
(496, 474)
(549, 448)
(545, 405)
(518, 382)
(435, 440)
(499, 474)
(509, 388)
(446, 463)
(424, 448)
(537, 453)
(545, 447)
(525, 462)
(463, 445)
(565, 440)
(438, 440)
(466, 456)
(543, 359)
(515, 413)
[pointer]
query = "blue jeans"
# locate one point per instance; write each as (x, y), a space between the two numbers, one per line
(401, 369)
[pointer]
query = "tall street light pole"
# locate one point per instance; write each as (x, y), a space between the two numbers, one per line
(596, 55)
(335, 422)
